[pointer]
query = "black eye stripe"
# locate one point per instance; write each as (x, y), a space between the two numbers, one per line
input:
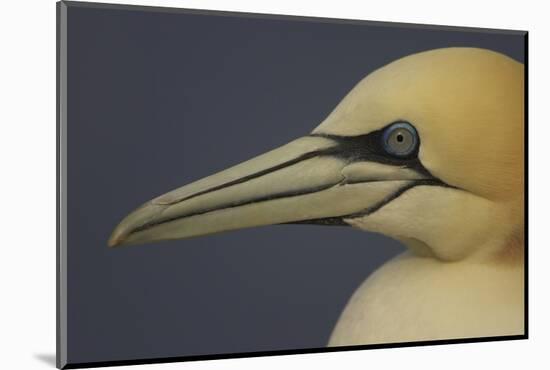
(370, 147)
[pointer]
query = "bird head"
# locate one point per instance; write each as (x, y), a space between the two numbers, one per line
(427, 149)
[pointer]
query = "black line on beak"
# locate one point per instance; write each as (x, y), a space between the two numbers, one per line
(339, 221)
(366, 147)
(252, 176)
(348, 148)
(266, 198)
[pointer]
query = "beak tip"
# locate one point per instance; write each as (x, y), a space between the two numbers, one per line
(116, 239)
(113, 242)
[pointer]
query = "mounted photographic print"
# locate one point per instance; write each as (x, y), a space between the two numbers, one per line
(236, 184)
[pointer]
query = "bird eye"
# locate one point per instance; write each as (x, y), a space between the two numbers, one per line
(400, 139)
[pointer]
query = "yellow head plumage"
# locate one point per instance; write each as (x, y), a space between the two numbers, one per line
(467, 105)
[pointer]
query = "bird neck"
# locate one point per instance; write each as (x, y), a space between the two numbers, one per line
(412, 298)
(501, 249)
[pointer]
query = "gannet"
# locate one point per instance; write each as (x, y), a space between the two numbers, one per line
(428, 150)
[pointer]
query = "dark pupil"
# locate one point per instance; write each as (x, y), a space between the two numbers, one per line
(399, 138)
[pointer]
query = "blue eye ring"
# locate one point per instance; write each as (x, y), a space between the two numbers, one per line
(400, 139)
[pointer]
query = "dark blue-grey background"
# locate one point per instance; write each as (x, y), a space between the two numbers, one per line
(159, 99)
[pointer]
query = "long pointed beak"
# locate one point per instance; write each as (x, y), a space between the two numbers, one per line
(307, 180)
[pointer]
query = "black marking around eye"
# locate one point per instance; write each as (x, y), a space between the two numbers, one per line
(369, 147)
